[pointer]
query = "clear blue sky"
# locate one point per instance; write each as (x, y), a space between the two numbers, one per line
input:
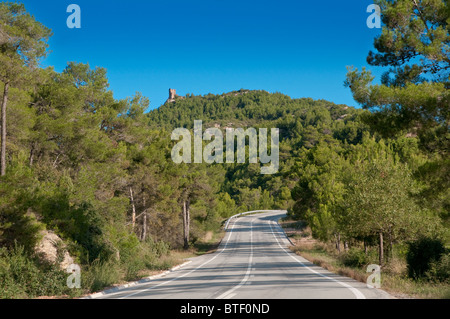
(299, 48)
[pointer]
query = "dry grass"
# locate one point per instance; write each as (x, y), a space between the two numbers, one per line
(394, 278)
(320, 255)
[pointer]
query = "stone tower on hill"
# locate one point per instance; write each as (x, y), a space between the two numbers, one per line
(173, 95)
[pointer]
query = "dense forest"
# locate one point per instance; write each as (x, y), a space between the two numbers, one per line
(98, 172)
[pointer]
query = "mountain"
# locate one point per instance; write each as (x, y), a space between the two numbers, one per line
(243, 108)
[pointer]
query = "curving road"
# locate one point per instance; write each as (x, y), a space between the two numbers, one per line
(252, 262)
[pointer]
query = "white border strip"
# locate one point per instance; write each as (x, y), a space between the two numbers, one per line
(134, 283)
(181, 276)
(356, 292)
(252, 212)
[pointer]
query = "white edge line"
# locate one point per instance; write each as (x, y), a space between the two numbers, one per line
(285, 234)
(356, 292)
(134, 283)
(118, 289)
(252, 212)
(181, 276)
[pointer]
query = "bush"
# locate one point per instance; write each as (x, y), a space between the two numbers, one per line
(354, 257)
(440, 270)
(422, 254)
(161, 248)
(134, 257)
(133, 268)
(100, 274)
(24, 276)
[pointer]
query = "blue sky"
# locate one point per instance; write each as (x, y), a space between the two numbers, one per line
(299, 48)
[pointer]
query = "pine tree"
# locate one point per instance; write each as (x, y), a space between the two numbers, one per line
(23, 44)
(414, 95)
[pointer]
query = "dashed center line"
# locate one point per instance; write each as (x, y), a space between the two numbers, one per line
(227, 294)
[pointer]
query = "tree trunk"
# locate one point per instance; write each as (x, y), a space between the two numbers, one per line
(133, 214)
(390, 252)
(144, 225)
(32, 154)
(3, 146)
(338, 242)
(345, 245)
(188, 211)
(186, 223)
(365, 247)
(381, 253)
(186, 244)
(144, 228)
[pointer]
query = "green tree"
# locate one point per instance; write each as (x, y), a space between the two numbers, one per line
(320, 189)
(413, 98)
(194, 184)
(23, 44)
(414, 93)
(378, 199)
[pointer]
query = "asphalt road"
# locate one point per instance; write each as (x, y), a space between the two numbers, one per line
(252, 262)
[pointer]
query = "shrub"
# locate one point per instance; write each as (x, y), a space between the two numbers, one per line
(23, 276)
(354, 257)
(440, 270)
(161, 248)
(422, 253)
(100, 274)
(132, 269)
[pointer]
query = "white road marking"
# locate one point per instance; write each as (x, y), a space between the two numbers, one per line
(249, 268)
(181, 276)
(230, 293)
(355, 291)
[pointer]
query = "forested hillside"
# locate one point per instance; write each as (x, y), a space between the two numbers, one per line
(98, 172)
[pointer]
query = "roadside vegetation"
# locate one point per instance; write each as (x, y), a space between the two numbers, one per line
(97, 171)
(385, 199)
(353, 263)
